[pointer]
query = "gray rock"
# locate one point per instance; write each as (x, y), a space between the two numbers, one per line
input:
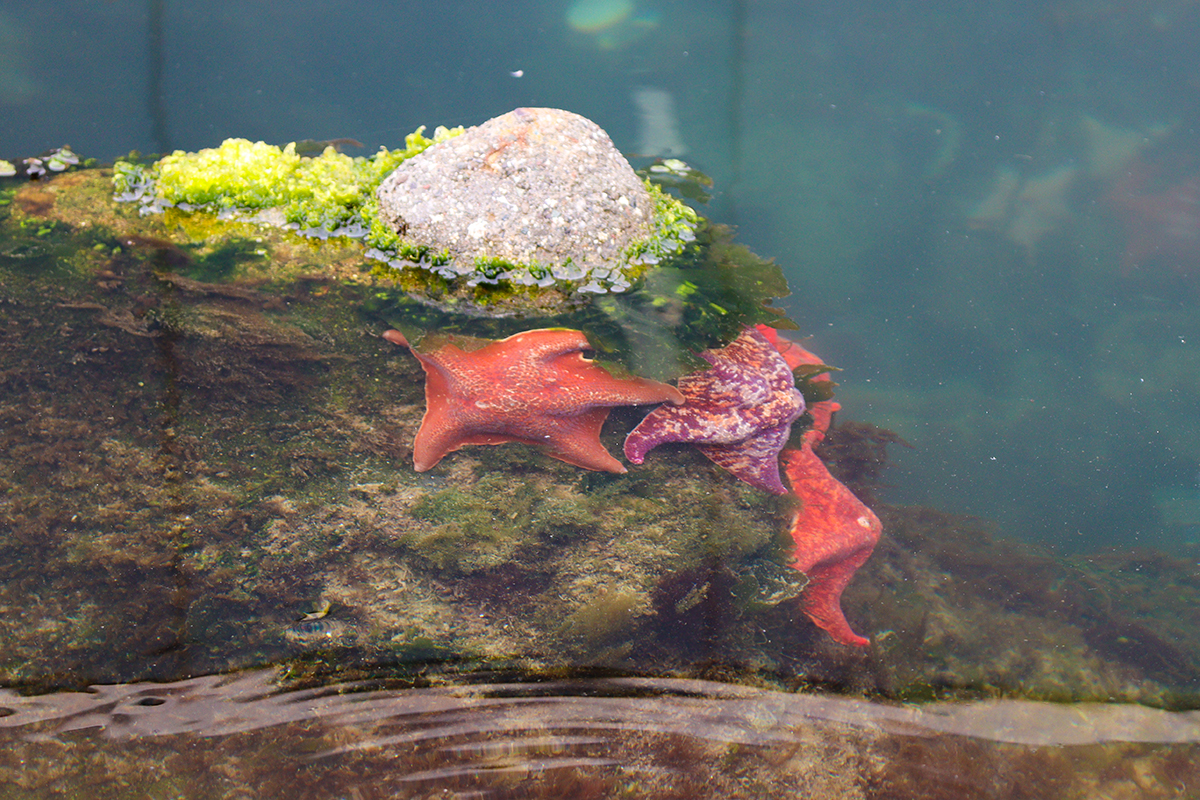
(536, 187)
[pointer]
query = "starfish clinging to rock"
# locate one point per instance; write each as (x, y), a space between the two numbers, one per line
(834, 532)
(534, 387)
(739, 412)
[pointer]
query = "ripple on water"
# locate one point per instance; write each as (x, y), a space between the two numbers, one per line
(578, 738)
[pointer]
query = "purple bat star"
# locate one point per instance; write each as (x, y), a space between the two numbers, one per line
(739, 412)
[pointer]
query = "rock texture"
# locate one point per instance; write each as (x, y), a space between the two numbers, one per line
(541, 190)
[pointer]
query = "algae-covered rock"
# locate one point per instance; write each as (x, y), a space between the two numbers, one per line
(701, 297)
(648, 281)
(527, 214)
(535, 197)
(329, 193)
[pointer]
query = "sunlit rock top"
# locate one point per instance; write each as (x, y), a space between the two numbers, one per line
(533, 196)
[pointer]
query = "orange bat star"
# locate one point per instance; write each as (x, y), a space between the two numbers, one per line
(834, 532)
(534, 387)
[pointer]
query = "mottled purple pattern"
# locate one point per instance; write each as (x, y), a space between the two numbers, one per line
(755, 460)
(739, 412)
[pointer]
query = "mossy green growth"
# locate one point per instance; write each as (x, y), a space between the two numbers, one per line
(608, 615)
(674, 228)
(331, 191)
(483, 527)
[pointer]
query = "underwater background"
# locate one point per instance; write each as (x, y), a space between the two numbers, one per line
(988, 217)
(1041, 383)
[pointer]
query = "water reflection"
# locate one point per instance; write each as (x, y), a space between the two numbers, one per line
(496, 737)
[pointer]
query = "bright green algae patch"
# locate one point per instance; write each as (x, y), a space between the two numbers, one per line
(332, 192)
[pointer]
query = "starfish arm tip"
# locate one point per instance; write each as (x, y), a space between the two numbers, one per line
(638, 444)
(425, 464)
(395, 337)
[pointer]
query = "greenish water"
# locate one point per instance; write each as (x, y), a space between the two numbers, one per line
(988, 221)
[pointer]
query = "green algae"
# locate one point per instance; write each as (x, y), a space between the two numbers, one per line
(328, 191)
(674, 226)
(470, 531)
(607, 616)
(489, 525)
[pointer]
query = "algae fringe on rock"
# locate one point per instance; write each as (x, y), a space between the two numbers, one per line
(333, 195)
(674, 225)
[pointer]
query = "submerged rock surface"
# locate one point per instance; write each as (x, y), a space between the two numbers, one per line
(204, 447)
(542, 193)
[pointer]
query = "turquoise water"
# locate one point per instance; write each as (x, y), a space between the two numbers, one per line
(988, 220)
(850, 143)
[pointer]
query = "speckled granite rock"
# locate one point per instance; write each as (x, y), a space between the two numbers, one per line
(536, 187)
